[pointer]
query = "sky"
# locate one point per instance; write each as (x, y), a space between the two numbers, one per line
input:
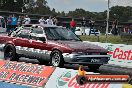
(88, 5)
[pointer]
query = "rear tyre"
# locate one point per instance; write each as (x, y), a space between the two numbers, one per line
(10, 53)
(57, 59)
(94, 67)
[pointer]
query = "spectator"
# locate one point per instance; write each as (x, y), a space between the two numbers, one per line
(42, 21)
(19, 21)
(14, 22)
(49, 21)
(55, 21)
(83, 23)
(73, 25)
(130, 31)
(114, 27)
(91, 25)
(27, 20)
(126, 29)
(9, 21)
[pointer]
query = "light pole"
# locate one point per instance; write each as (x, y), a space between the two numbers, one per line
(107, 26)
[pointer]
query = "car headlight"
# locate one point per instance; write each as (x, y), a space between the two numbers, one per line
(73, 54)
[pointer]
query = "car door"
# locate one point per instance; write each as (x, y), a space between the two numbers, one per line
(38, 47)
(22, 42)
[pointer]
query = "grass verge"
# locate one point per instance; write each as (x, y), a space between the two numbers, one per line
(102, 38)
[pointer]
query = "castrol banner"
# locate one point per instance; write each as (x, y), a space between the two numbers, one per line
(120, 54)
(66, 78)
(24, 73)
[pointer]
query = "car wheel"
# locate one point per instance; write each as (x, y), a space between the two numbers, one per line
(81, 80)
(10, 53)
(57, 59)
(94, 67)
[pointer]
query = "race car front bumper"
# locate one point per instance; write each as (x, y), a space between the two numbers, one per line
(86, 59)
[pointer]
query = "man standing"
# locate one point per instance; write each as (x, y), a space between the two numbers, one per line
(49, 21)
(83, 26)
(55, 21)
(114, 27)
(14, 22)
(73, 25)
(9, 21)
(42, 21)
(27, 20)
(91, 25)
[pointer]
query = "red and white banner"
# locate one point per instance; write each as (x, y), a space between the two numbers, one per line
(120, 54)
(66, 78)
(24, 73)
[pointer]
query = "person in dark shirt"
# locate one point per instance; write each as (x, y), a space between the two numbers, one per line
(114, 27)
(9, 21)
(91, 25)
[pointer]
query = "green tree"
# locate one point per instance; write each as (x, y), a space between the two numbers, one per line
(39, 7)
(121, 13)
(11, 5)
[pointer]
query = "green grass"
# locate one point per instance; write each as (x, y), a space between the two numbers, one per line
(102, 38)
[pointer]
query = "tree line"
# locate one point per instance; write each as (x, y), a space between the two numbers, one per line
(121, 13)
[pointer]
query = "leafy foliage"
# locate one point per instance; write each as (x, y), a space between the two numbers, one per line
(40, 7)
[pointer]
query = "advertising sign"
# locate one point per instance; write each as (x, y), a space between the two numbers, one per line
(24, 73)
(120, 54)
(66, 78)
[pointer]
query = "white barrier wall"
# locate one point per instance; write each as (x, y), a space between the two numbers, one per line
(66, 78)
(120, 54)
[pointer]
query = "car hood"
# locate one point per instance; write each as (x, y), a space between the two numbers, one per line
(82, 46)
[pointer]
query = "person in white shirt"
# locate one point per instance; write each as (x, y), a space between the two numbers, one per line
(27, 20)
(49, 21)
(42, 21)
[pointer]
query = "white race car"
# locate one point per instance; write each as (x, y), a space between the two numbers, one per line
(79, 31)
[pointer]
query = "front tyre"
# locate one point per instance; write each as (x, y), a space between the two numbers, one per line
(57, 59)
(10, 53)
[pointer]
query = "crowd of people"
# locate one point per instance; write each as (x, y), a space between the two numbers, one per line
(84, 24)
(13, 21)
(49, 21)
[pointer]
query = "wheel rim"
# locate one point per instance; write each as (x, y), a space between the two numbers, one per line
(55, 59)
(9, 54)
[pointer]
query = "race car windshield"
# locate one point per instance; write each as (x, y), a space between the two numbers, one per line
(58, 33)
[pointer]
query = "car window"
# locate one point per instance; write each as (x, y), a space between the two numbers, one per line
(38, 30)
(23, 33)
(17, 31)
(59, 33)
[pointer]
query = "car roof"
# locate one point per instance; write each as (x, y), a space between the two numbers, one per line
(42, 25)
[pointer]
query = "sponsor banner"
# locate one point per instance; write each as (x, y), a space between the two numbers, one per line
(66, 78)
(120, 54)
(24, 73)
(9, 85)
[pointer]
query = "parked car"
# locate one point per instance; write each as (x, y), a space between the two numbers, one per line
(78, 31)
(53, 44)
